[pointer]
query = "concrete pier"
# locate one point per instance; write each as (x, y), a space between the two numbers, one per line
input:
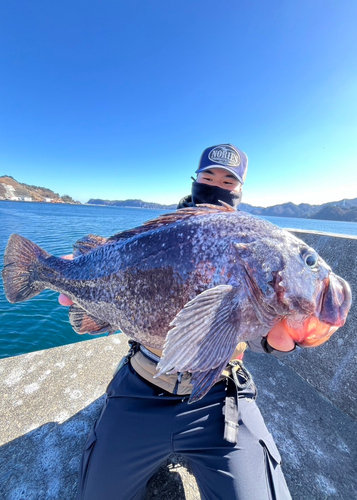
(50, 399)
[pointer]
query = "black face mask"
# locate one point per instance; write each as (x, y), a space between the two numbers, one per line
(203, 193)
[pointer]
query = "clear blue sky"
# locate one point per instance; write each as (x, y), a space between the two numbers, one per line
(117, 99)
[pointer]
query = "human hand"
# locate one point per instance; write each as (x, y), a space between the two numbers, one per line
(278, 338)
(63, 299)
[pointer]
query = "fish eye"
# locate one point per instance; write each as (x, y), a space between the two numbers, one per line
(310, 258)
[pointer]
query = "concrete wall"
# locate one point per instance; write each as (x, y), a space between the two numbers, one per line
(49, 400)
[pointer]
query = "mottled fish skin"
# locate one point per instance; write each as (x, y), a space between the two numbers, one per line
(211, 276)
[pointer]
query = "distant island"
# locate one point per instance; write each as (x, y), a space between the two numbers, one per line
(131, 204)
(12, 190)
(333, 212)
(343, 210)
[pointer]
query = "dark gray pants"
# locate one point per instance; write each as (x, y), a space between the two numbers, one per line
(141, 425)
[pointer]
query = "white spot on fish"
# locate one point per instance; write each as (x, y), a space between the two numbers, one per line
(29, 389)
(19, 402)
(115, 340)
(60, 365)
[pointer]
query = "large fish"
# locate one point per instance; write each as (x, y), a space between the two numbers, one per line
(194, 283)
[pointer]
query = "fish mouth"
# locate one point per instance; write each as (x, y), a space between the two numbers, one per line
(335, 305)
(316, 329)
(335, 301)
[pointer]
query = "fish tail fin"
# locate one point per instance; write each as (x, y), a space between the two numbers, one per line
(20, 273)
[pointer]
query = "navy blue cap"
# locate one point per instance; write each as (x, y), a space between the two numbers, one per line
(225, 156)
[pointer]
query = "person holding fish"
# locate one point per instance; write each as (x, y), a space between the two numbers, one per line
(147, 417)
(186, 288)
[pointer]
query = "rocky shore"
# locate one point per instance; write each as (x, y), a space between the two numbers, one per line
(12, 190)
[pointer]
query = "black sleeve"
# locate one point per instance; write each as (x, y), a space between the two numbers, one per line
(185, 202)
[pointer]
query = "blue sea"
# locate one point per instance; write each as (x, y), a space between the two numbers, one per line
(41, 322)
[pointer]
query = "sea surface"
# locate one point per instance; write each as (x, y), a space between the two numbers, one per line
(41, 323)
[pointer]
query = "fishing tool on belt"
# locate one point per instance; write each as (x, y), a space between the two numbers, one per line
(241, 378)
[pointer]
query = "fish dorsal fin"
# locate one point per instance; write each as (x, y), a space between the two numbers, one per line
(87, 244)
(171, 218)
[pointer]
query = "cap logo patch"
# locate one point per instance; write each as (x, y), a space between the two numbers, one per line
(225, 155)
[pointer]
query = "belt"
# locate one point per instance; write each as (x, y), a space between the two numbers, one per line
(145, 362)
(149, 354)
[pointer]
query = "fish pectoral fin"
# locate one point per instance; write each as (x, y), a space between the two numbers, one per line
(87, 244)
(204, 336)
(203, 381)
(83, 322)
